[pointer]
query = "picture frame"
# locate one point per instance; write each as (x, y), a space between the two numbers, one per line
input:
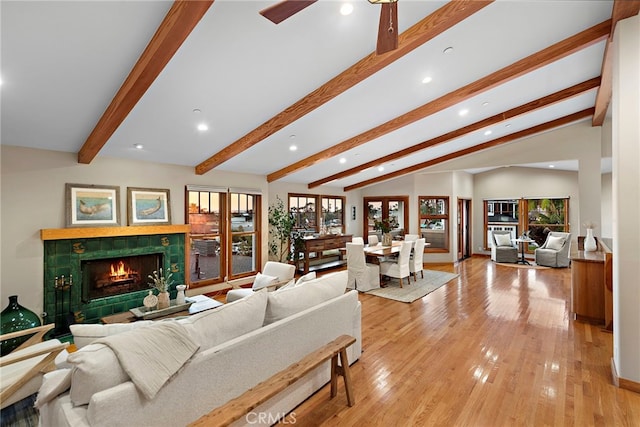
(89, 205)
(148, 206)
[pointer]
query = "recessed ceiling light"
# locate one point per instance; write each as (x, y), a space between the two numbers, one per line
(380, 168)
(507, 125)
(202, 127)
(448, 50)
(488, 132)
(346, 9)
(197, 110)
(551, 166)
(293, 147)
(427, 79)
(343, 160)
(463, 112)
(485, 103)
(138, 146)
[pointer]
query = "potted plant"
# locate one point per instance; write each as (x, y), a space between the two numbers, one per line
(281, 223)
(385, 226)
(161, 282)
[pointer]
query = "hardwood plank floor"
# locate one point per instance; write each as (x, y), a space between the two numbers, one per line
(495, 347)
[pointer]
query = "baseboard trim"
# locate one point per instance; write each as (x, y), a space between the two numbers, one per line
(623, 382)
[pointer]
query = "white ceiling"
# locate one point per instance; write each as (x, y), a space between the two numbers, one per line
(62, 63)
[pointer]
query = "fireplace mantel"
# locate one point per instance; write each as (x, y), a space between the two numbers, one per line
(93, 232)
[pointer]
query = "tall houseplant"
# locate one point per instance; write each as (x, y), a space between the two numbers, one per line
(281, 223)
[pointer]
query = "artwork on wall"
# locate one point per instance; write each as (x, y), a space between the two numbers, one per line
(92, 205)
(148, 206)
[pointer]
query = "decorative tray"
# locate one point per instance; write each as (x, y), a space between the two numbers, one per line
(142, 313)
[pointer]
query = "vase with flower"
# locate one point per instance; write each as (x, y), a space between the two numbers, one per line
(385, 226)
(161, 282)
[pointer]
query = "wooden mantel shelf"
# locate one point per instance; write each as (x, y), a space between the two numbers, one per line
(94, 232)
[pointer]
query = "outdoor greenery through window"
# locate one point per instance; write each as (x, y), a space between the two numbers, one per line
(224, 234)
(329, 219)
(434, 222)
(390, 209)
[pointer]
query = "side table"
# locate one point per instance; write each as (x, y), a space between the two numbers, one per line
(522, 242)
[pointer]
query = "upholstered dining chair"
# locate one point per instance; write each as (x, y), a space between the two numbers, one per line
(372, 239)
(416, 262)
(555, 250)
(410, 237)
(400, 268)
(361, 275)
(358, 240)
(273, 274)
(502, 248)
(22, 369)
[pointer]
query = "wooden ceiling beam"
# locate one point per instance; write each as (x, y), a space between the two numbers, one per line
(622, 9)
(537, 60)
(176, 26)
(562, 121)
(438, 22)
(529, 107)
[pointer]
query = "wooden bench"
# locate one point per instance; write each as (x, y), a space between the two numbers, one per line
(250, 399)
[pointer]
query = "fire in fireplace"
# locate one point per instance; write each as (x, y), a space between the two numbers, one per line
(115, 276)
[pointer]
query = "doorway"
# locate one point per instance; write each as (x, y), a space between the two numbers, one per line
(464, 229)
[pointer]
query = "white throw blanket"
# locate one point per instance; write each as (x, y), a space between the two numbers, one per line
(150, 356)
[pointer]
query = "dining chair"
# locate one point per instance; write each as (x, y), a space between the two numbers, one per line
(417, 261)
(410, 237)
(361, 275)
(399, 268)
(358, 240)
(372, 239)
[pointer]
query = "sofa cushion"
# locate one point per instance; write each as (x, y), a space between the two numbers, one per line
(226, 322)
(555, 243)
(86, 334)
(262, 281)
(95, 368)
(53, 383)
(306, 278)
(285, 302)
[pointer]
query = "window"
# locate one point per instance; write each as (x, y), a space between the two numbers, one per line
(224, 235)
(434, 222)
(379, 208)
(329, 219)
(537, 216)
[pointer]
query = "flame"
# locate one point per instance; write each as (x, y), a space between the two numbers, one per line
(120, 271)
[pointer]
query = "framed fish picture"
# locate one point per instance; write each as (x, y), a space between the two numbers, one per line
(92, 205)
(148, 206)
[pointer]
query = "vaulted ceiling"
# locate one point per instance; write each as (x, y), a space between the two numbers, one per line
(99, 78)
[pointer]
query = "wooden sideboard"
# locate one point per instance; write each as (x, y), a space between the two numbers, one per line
(320, 244)
(592, 285)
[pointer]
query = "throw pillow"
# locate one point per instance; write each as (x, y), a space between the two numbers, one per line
(95, 368)
(86, 334)
(262, 281)
(503, 239)
(213, 327)
(306, 278)
(555, 243)
(53, 383)
(284, 303)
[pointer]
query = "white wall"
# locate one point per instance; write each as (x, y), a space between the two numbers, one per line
(33, 198)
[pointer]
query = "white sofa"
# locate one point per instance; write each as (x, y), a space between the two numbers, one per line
(274, 330)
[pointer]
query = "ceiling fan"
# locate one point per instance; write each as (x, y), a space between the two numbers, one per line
(387, 29)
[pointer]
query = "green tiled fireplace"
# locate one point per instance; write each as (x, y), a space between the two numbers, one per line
(66, 251)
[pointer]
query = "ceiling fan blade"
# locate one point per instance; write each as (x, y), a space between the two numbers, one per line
(283, 10)
(388, 28)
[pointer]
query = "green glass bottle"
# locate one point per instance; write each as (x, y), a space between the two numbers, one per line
(16, 318)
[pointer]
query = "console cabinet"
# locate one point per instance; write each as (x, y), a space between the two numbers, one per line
(319, 245)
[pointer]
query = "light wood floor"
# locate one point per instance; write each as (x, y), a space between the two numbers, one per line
(495, 347)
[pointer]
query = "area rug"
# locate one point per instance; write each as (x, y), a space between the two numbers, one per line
(409, 293)
(533, 265)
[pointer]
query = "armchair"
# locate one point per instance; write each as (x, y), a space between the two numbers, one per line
(281, 271)
(502, 249)
(22, 369)
(555, 250)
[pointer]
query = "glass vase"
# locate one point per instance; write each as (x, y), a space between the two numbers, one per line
(16, 318)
